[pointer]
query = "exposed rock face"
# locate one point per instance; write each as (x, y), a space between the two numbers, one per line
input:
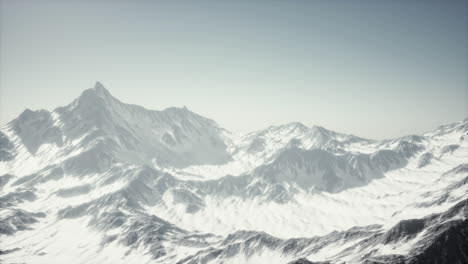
(6, 148)
(406, 229)
(425, 159)
(18, 220)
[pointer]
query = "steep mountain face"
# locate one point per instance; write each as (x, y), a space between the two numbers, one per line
(265, 144)
(6, 148)
(319, 169)
(100, 124)
(101, 181)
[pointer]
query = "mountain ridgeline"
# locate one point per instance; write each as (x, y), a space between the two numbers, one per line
(172, 186)
(174, 136)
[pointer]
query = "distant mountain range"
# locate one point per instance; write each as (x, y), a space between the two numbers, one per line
(101, 181)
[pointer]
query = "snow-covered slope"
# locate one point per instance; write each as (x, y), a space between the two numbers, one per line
(101, 181)
(100, 124)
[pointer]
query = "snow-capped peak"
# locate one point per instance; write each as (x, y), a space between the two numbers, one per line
(101, 91)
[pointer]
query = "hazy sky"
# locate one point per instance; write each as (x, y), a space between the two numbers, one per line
(374, 68)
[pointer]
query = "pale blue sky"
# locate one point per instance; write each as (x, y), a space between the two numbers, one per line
(375, 68)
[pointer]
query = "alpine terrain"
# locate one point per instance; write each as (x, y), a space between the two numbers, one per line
(102, 181)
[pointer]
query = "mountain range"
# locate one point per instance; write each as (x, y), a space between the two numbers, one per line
(102, 181)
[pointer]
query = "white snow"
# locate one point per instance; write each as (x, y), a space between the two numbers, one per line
(383, 201)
